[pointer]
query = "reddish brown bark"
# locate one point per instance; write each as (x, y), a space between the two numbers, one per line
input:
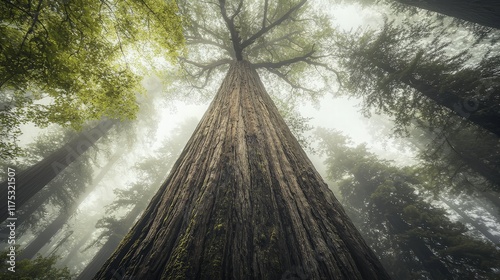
(243, 201)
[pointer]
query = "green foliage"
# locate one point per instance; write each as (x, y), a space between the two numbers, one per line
(41, 268)
(375, 192)
(67, 62)
(410, 71)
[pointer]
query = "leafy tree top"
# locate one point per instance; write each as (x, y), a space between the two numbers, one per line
(67, 62)
(286, 38)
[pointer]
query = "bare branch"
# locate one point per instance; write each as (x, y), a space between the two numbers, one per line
(207, 66)
(205, 69)
(235, 37)
(276, 40)
(32, 27)
(286, 80)
(266, 29)
(237, 11)
(283, 63)
(192, 40)
(264, 17)
(327, 67)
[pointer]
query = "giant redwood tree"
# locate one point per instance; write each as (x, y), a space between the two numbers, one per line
(243, 201)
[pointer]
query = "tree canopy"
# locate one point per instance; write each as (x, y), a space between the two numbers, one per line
(67, 62)
(286, 38)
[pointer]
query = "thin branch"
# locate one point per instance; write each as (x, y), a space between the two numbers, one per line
(276, 40)
(283, 63)
(266, 29)
(192, 40)
(206, 30)
(286, 80)
(238, 10)
(324, 65)
(32, 27)
(264, 17)
(19, 8)
(204, 69)
(206, 66)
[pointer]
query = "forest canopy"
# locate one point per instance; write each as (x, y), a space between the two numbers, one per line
(67, 62)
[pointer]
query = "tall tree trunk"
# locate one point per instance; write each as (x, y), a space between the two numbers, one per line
(32, 180)
(243, 201)
(484, 12)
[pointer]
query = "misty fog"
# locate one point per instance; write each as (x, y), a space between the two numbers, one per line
(433, 170)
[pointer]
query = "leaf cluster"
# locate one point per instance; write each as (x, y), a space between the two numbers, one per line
(65, 62)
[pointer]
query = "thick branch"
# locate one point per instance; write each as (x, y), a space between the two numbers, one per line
(266, 29)
(264, 17)
(235, 37)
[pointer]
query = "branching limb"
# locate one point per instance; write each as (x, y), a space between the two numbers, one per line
(235, 37)
(327, 67)
(288, 81)
(32, 27)
(204, 69)
(274, 65)
(264, 17)
(192, 40)
(275, 41)
(266, 29)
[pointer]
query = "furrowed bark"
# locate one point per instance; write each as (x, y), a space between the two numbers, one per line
(243, 201)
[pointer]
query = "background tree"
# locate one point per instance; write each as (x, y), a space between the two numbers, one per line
(416, 78)
(409, 72)
(33, 179)
(44, 237)
(60, 193)
(412, 237)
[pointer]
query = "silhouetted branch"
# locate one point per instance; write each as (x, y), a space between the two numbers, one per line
(205, 69)
(286, 80)
(235, 37)
(264, 17)
(274, 65)
(266, 29)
